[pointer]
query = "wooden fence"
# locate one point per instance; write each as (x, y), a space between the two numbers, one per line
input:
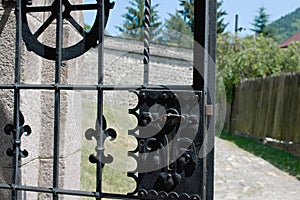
(269, 108)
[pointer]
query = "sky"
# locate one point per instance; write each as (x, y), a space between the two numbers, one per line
(246, 9)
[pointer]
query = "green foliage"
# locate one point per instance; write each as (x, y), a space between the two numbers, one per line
(221, 25)
(87, 27)
(188, 14)
(177, 32)
(133, 25)
(252, 57)
(286, 26)
(280, 159)
(260, 24)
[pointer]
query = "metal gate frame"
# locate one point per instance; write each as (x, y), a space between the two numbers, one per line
(203, 80)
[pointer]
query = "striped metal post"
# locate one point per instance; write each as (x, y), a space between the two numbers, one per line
(147, 41)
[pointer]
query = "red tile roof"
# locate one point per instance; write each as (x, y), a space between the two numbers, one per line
(290, 40)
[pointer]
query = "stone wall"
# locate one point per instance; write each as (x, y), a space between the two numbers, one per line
(123, 61)
(37, 107)
(7, 21)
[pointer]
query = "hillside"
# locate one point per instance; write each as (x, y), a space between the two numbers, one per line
(286, 26)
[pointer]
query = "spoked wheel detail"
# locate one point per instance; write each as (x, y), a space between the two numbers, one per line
(89, 39)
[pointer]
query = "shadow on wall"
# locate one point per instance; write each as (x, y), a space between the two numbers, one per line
(6, 105)
(5, 144)
(8, 7)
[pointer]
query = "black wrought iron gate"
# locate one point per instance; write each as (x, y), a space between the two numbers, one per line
(175, 151)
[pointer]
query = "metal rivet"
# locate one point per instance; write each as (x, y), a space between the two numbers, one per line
(142, 193)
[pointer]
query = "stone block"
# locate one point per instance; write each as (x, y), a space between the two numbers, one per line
(6, 178)
(38, 109)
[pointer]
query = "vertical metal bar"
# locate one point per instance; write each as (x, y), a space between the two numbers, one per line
(100, 139)
(58, 62)
(199, 43)
(200, 77)
(211, 84)
(147, 41)
(236, 24)
(17, 142)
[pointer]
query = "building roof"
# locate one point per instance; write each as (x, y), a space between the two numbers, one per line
(287, 42)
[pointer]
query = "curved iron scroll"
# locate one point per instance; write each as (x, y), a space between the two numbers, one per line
(168, 144)
(89, 39)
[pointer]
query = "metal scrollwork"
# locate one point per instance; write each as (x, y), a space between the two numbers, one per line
(89, 39)
(95, 133)
(166, 153)
(24, 130)
(153, 194)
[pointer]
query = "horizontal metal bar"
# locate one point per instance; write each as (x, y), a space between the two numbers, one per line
(92, 87)
(65, 192)
(118, 196)
(50, 8)
(84, 7)
(47, 190)
(38, 9)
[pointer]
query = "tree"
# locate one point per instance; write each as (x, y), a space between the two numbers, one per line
(239, 58)
(286, 26)
(177, 31)
(87, 27)
(188, 14)
(221, 25)
(134, 21)
(260, 24)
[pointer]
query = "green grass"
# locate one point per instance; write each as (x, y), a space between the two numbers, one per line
(117, 181)
(114, 181)
(279, 158)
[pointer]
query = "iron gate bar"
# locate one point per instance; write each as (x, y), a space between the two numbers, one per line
(147, 21)
(66, 192)
(58, 64)
(200, 33)
(90, 87)
(17, 139)
(44, 26)
(73, 7)
(100, 139)
(204, 77)
(211, 84)
(204, 35)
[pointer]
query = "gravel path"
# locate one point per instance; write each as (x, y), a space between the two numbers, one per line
(243, 176)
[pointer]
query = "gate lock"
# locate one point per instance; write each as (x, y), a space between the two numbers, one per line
(168, 144)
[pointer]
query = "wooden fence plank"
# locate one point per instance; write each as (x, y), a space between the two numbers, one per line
(268, 107)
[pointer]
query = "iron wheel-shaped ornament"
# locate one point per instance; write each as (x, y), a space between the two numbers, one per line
(89, 39)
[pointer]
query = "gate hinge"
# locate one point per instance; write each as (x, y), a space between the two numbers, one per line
(209, 110)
